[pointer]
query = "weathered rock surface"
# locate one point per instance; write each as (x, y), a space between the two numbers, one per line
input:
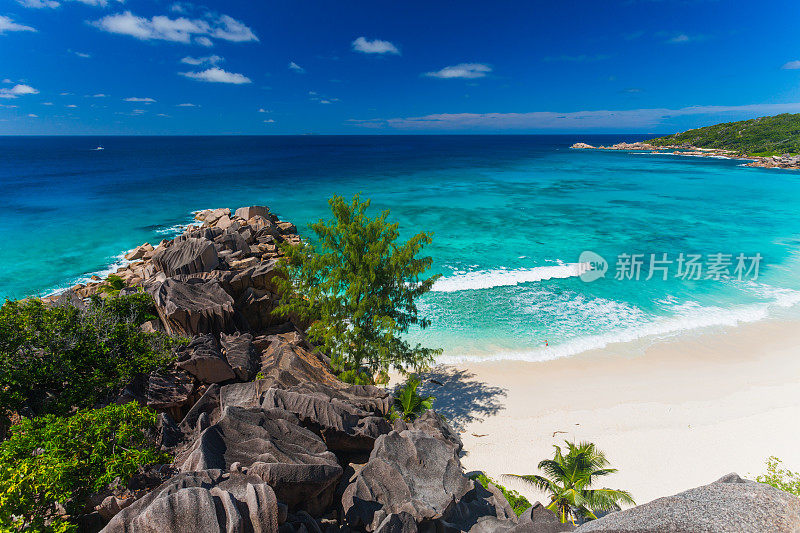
(193, 307)
(729, 505)
(203, 359)
(287, 359)
(413, 471)
(187, 257)
(272, 445)
(241, 355)
(169, 390)
(252, 211)
(139, 252)
(202, 502)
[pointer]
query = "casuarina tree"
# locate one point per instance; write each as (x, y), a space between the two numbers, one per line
(357, 286)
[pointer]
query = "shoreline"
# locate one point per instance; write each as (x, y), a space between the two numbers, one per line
(670, 414)
(784, 162)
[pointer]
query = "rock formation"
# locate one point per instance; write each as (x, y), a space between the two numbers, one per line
(266, 438)
(730, 504)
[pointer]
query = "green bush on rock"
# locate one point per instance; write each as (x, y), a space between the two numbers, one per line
(50, 462)
(55, 358)
(517, 502)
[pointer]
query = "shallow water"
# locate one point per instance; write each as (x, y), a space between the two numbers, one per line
(510, 215)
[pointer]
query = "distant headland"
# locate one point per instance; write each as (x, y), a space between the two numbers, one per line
(768, 142)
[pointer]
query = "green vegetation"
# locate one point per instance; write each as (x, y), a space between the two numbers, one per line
(758, 137)
(53, 359)
(517, 502)
(357, 288)
(569, 478)
(112, 285)
(50, 461)
(780, 478)
(408, 404)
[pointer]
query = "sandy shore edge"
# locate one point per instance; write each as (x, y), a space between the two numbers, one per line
(670, 414)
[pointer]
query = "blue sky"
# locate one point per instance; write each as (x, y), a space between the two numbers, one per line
(285, 67)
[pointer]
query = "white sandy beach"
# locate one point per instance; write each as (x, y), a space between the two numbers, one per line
(670, 414)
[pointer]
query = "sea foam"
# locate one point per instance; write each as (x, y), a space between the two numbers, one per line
(502, 277)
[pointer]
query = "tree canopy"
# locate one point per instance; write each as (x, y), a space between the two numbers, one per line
(357, 287)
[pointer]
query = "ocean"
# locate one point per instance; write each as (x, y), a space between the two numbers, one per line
(511, 216)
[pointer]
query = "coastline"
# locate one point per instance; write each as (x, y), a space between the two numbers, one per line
(784, 162)
(670, 414)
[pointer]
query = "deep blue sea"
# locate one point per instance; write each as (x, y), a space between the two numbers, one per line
(511, 216)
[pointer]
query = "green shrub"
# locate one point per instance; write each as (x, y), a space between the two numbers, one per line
(780, 478)
(408, 403)
(517, 502)
(49, 461)
(55, 358)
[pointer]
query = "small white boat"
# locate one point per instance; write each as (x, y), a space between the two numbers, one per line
(99, 148)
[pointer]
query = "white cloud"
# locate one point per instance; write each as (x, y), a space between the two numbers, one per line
(269, 121)
(99, 95)
(229, 29)
(376, 46)
(47, 103)
(6, 24)
(73, 106)
(17, 90)
(630, 119)
(462, 70)
(139, 99)
(680, 38)
(32, 115)
(210, 60)
(52, 4)
(38, 4)
(791, 65)
(316, 97)
(82, 54)
(162, 115)
(295, 67)
(65, 94)
(262, 110)
(187, 105)
(217, 75)
(6, 80)
(181, 29)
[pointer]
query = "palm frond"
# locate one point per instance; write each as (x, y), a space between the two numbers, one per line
(608, 499)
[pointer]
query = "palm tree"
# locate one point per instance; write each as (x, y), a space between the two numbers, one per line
(569, 478)
(408, 404)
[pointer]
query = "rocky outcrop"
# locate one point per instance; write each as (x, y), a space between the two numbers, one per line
(415, 471)
(186, 257)
(269, 455)
(270, 444)
(288, 359)
(193, 307)
(240, 354)
(582, 146)
(208, 501)
(170, 390)
(729, 505)
(203, 359)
